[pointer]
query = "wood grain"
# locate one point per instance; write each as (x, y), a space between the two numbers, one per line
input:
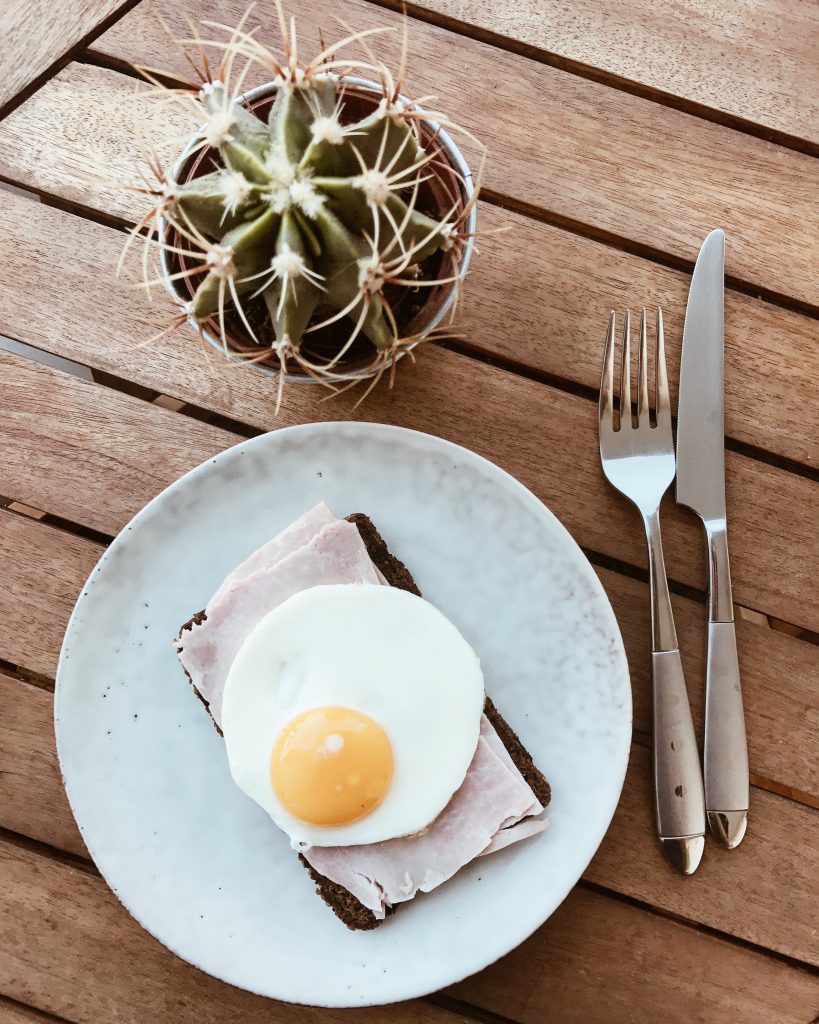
(38, 593)
(556, 330)
(626, 959)
(91, 154)
(774, 559)
(31, 789)
(36, 33)
(750, 60)
(95, 456)
(771, 367)
(55, 915)
(772, 869)
(62, 431)
(71, 949)
(618, 163)
(765, 891)
(16, 1013)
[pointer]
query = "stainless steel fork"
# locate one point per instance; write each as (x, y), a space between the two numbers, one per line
(638, 459)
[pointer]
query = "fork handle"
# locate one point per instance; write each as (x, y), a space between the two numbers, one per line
(663, 633)
(678, 789)
(677, 776)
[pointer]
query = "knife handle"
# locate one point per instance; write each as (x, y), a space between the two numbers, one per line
(677, 775)
(725, 754)
(726, 750)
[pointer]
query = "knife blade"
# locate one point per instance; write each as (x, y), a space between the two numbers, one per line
(701, 486)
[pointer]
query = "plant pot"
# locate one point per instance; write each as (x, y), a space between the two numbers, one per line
(424, 309)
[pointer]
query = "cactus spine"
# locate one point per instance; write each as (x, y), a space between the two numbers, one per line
(308, 210)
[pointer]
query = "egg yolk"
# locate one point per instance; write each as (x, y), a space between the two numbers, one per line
(331, 766)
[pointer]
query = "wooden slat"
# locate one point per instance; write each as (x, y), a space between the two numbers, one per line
(42, 571)
(16, 1013)
(754, 61)
(36, 33)
(638, 971)
(765, 891)
(87, 156)
(772, 868)
(617, 162)
(71, 949)
(557, 326)
(32, 798)
(769, 351)
(774, 559)
(64, 432)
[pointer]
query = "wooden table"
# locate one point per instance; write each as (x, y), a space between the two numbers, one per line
(621, 133)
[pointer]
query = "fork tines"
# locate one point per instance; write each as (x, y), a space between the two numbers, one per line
(625, 408)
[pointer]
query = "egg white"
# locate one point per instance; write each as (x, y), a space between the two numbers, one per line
(377, 650)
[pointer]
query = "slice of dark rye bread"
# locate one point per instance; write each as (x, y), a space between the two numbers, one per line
(342, 902)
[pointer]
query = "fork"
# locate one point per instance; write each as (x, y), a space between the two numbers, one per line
(639, 461)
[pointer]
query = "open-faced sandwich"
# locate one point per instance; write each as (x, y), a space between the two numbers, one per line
(354, 713)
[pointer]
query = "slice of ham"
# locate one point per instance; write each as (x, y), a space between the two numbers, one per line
(490, 734)
(492, 809)
(514, 833)
(336, 554)
(294, 536)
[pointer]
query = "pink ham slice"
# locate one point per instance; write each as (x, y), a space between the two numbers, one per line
(336, 554)
(492, 809)
(514, 833)
(296, 535)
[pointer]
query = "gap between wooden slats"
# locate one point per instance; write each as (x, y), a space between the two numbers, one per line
(25, 740)
(765, 82)
(39, 35)
(545, 437)
(773, 912)
(553, 334)
(586, 151)
(778, 670)
(114, 970)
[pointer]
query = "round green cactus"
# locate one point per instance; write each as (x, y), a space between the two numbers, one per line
(308, 209)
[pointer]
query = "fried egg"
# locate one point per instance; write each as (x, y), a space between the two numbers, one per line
(351, 714)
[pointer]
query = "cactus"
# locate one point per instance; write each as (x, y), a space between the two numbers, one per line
(311, 212)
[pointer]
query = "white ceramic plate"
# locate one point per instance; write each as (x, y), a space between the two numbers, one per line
(201, 866)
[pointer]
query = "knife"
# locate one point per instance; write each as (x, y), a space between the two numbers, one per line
(701, 486)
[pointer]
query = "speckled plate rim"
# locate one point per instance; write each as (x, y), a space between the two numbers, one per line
(528, 922)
